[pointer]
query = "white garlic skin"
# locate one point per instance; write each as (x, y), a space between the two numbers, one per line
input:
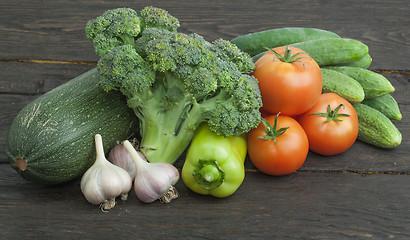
(120, 157)
(156, 180)
(152, 180)
(103, 180)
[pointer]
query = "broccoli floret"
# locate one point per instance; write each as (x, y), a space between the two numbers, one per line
(117, 70)
(174, 82)
(114, 28)
(121, 26)
(158, 18)
(230, 52)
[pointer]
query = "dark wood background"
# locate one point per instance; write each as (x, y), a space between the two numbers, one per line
(363, 193)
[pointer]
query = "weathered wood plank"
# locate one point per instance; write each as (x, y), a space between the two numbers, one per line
(36, 78)
(303, 205)
(54, 30)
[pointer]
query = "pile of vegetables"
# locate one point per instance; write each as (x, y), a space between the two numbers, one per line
(272, 96)
(317, 95)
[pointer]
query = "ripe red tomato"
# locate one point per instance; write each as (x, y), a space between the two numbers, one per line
(279, 146)
(326, 134)
(290, 83)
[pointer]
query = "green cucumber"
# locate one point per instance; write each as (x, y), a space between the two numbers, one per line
(373, 84)
(363, 62)
(51, 140)
(256, 42)
(386, 104)
(257, 56)
(375, 128)
(341, 84)
(333, 51)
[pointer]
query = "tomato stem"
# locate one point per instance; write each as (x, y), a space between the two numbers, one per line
(332, 115)
(287, 57)
(272, 132)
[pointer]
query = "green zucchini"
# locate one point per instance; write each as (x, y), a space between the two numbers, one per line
(387, 105)
(256, 42)
(50, 141)
(341, 84)
(333, 51)
(375, 128)
(373, 84)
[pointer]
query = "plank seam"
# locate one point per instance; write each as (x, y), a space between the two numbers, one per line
(358, 172)
(43, 61)
(40, 61)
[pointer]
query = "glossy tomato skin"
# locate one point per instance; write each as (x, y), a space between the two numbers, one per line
(331, 137)
(287, 155)
(288, 88)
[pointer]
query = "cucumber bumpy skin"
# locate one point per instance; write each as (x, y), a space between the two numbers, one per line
(387, 105)
(342, 85)
(254, 43)
(363, 62)
(333, 52)
(375, 128)
(373, 84)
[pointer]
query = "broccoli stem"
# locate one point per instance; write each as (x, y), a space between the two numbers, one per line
(167, 131)
(166, 135)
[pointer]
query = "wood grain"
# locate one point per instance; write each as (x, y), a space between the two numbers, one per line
(54, 30)
(28, 78)
(299, 206)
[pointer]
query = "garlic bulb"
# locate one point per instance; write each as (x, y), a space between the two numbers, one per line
(153, 180)
(104, 181)
(120, 157)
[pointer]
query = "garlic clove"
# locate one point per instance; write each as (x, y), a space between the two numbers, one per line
(153, 180)
(90, 190)
(151, 184)
(104, 181)
(115, 181)
(119, 156)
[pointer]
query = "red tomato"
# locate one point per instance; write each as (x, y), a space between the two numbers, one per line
(283, 154)
(333, 136)
(288, 86)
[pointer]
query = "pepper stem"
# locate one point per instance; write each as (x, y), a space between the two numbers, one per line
(332, 115)
(209, 174)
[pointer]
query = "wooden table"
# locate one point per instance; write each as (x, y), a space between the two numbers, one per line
(363, 193)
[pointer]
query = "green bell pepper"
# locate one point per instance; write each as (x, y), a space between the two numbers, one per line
(214, 164)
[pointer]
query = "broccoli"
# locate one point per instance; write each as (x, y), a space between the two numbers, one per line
(121, 26)
(174, 81)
